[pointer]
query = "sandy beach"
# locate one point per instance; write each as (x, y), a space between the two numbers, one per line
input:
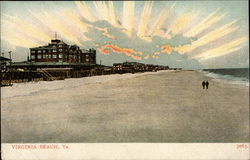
(166, 106)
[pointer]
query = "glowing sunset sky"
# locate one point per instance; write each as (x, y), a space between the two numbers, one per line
(188, 34)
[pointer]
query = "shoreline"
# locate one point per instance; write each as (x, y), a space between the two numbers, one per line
(103, 78)
(222, 78)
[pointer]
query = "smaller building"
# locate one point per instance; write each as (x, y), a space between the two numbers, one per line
(137, 67)
(117, 66)
(88, 56)
(129, 67)
(4, 62)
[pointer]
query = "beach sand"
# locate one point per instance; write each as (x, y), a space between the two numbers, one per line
(167, 106)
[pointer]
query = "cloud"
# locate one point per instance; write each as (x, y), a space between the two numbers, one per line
(238, 59)
(133, 48)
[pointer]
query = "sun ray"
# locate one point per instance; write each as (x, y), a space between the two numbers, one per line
(181, 22)
(112, 15)
(144, 20)
(159, 23)
(59, 27)
(209, 37)
(19, 40)
(222, 50)
(85, 11)
(50, 21)
(83, 27)
(204, 24)
(128, 15)
(28, 28)
(102, 10)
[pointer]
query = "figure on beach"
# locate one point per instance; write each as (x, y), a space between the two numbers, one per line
(207, 83)
(203, 84)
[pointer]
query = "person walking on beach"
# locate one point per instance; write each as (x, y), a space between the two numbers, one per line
(203, 84)
(207, 84)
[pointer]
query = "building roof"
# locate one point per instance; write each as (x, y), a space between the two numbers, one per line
(43, 47)
(50, 46)
(48, 63)
(57, 41)
(132, 63)
(117, 63)
(61, 42)
(4, 59)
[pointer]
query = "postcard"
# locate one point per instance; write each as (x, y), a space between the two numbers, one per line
(124, 80)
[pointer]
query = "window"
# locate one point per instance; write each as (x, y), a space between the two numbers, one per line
(48, 56)
(54, 50)
(60, 50)
(32, 56)
(87, 60)
(60, 56)
(39, 51)
(33, 51)
(54, 56)
(60, 45)
(60, 60)
(39, 56)
(44, 51)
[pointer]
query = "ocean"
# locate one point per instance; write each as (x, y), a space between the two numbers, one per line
(231, 75)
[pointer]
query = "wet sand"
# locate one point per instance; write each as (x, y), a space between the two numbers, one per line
(168, 106)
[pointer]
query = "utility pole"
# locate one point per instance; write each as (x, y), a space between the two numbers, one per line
(5, 66)
(1, 76)
(10, 67)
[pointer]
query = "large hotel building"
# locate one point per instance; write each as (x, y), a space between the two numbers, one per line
(58, 51)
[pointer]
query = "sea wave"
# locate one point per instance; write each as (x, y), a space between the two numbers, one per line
(227, 78)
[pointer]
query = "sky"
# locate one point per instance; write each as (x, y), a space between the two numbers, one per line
(186, 34)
